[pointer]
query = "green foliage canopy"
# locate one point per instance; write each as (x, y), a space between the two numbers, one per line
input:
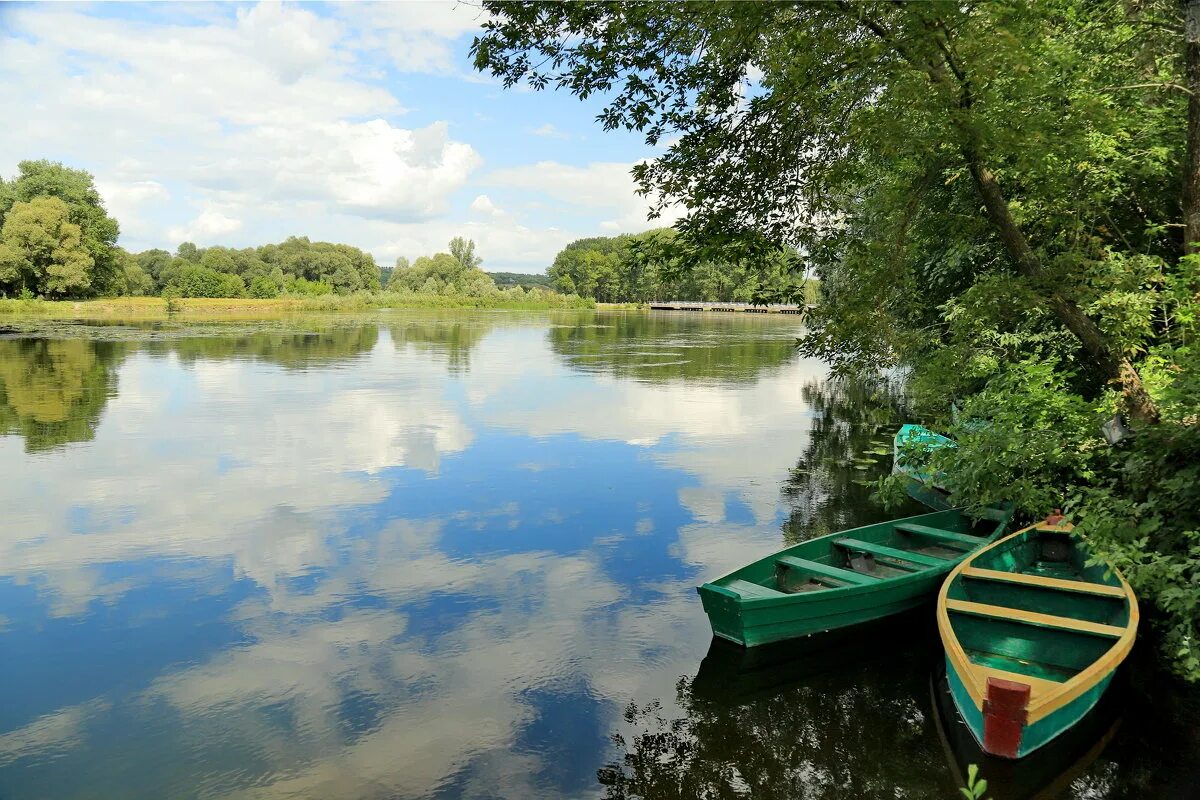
(42, 251)
(505, 280)
(456, 272)
(905, 147)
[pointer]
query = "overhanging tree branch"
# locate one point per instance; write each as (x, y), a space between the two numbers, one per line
(949, 75)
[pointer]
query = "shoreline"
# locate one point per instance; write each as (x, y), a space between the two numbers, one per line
(155, 308)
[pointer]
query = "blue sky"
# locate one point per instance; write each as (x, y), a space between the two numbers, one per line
(363, 123)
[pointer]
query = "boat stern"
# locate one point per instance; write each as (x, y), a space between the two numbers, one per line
(724, 610)
(1005, 715)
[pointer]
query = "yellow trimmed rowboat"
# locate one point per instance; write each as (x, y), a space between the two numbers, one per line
(1033, 636)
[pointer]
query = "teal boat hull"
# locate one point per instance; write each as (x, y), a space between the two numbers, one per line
(926, 487)
(775, 614)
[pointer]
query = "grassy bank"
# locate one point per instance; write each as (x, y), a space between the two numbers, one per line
(229, 308)
(151, 308)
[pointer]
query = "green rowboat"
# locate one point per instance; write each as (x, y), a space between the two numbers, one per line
(1033, 637)
(911, 445)
(845, 578)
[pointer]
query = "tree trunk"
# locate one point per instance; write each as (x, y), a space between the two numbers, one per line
(944, 71)
(1191, 177)
(1118, 368)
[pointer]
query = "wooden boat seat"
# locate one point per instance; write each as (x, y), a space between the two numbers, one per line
(1035, 618)
(891, 552)
(1041, 581)
(825, 570)
(938, 534)
(749, 590)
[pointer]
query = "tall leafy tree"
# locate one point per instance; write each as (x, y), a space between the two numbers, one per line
(154, 262)
(135, 280)
(77, 190)
(1002, 197)
(189, 252)
(456, 272)
(463, 251)
(42, 250)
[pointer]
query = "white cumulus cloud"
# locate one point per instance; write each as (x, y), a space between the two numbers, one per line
(244, 125)
(484, 205)
(605, 188)
(416, 36)
(208, 228)
(269, 103)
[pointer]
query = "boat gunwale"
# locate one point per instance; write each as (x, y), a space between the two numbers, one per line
(1041, 703)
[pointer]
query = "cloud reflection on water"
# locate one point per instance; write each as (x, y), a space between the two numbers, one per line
(384, 632)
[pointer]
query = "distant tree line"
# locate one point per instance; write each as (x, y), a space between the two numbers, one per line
(456, 272)
(295, 266)
(58, 241)
(658, 264)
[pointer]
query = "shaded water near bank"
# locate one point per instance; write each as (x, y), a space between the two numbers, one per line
(452, 554)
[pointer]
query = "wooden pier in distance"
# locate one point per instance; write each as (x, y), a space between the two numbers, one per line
(747, 308)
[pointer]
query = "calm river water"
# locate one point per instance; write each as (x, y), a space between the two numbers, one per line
(453, 555)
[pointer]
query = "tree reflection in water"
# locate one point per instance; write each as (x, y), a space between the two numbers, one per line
(316, 346)
(865, 713)
(661, 347)
(448, 337)
(53, 391)
(849, 447)
(844, 715)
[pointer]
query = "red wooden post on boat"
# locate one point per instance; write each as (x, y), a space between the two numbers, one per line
(1004, 716)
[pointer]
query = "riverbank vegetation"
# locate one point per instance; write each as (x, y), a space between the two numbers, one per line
(523, 279)
(254, 308)
(1001, 200)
